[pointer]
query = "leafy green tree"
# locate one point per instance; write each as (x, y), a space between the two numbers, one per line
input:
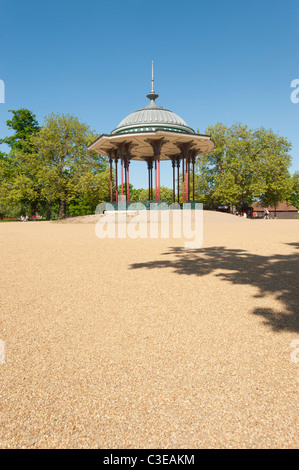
(141, 194)
(65, 167)
(94, 185)
(294, 196)
(246, 165)
(271, 167)
(224, 175)
(133, 192)
(24, 124)
(5, 176)
(166, 194)
(51, 165)
(20, 186)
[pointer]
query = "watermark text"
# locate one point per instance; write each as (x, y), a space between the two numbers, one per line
(2, 91)
(295, 93)
(161, 220)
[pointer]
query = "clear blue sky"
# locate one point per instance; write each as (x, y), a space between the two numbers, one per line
(214, 61)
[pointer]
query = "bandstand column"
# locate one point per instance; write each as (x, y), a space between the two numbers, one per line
(187, 180)
(183, 176)
(159, 178)
(116, 179)
(151, 170)
(149, 181)
(178, 173)
(155, 179)
(185, 155)
(156, 146)
(127, 179)
(173, 178)
(111, 194)
(149, 166)
(193, 176)
(122, 178)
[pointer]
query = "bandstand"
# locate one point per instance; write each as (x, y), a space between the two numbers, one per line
(152, 134)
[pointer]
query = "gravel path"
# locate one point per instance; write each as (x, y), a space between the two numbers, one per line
(144, 344)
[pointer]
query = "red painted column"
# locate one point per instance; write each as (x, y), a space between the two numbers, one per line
(159, 179)
(178, 164)
(193, 177)
(155, 179)
(187, 181)
(111, 195)
(116, 180)
(173, 179)
(151, 173)
(189, 178)
(183, 180)
(122, 178)
(149, 180)
(128, 182)
(126, 177)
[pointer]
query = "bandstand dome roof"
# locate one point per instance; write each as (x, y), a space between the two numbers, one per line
(151, 118)
(137, 133)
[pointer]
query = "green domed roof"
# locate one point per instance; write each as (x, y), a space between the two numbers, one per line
(151, 118)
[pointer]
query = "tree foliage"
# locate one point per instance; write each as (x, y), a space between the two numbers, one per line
(246, 165)
(19, 186)
(63, 162)
(24, 124)
(50, 166)
(141, 194)
(294, 196)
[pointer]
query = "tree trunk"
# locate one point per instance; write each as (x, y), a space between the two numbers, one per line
(33, 207)
(62, 209)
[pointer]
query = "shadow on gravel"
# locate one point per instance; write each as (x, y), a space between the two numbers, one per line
(277, 275)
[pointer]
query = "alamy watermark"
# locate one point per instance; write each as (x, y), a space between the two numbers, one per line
(295, 93)
(2, 91)
(160, 221)
(295, 352)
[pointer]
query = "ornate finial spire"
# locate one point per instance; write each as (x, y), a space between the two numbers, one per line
(152, 95)
(152, 91)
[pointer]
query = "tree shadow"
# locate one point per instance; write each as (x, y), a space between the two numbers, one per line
(277, 275)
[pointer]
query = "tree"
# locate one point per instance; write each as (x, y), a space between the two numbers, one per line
(19, 186)
(65, 167)
(141, 194)
(24, 124)
(49, 166)
(294, 196)
(247, 164)
(95, 187)
(4, 183)
(166, 194)
(271, 167)
(225, 175)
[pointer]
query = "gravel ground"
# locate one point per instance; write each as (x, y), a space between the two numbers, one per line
(123, 343)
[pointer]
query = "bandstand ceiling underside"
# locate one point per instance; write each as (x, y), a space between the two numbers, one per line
(141, 149)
